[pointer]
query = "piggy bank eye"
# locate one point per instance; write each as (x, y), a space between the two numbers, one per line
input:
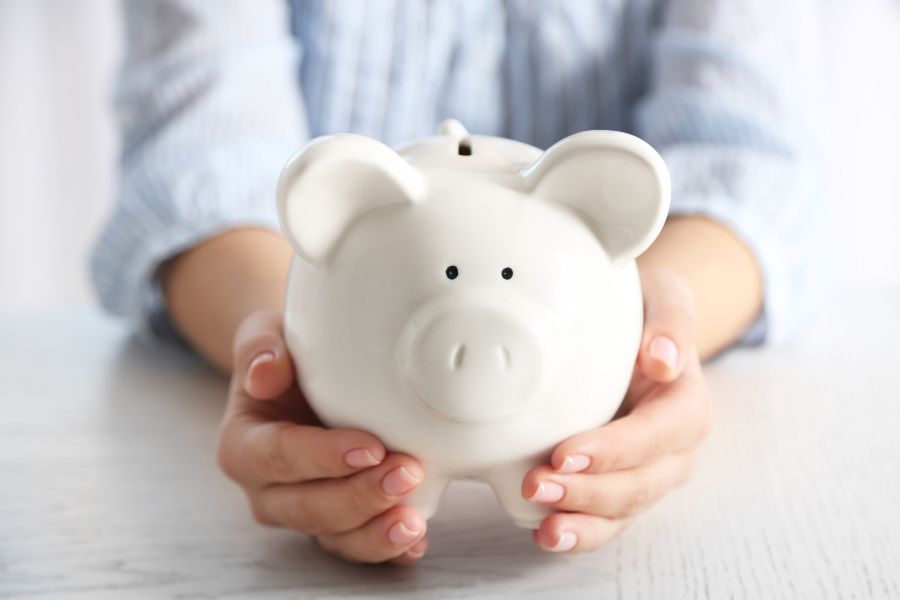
(506, 273)
(452, 272)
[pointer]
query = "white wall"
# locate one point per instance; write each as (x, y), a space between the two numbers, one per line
(57, 144)
(57, 141)
(862, 41)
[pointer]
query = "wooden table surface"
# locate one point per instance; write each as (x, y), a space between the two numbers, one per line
(109, 489)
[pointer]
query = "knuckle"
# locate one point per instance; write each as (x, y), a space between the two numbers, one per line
(649, 440)
(298, 517)
(260, 515)
(320, 458)
(363, 498)
(329, 544)
(636, 498)
(224, 458)
(372, 557)
(341, 547)
(581, 497)
(609, 458)
(325, 542)
(653, 446)
(276, 455)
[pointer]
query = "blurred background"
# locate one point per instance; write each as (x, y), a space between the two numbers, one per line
(58, 142)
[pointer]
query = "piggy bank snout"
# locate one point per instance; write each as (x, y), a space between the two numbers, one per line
(474, 364)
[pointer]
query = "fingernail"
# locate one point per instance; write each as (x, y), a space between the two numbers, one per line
(360, 458)
(400, 534)
(263, 357)
(566, 542)
(574, 463)
(548, 492)
(665, 350)
(398, 482)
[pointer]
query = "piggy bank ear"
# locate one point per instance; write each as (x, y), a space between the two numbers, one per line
(616, 182)
(333, 181)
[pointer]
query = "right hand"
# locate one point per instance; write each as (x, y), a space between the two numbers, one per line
(337, 485)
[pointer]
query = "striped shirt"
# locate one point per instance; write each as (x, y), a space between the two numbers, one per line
(213, 97)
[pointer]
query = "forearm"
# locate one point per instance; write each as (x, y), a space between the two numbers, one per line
(212, 287)
(720, 271)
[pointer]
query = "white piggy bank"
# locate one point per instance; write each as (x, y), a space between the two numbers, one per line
(469, 300)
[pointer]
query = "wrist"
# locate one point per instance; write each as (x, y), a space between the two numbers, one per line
(719, 270)
(212, 287)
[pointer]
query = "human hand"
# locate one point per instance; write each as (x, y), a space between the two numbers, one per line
(602, 478)
(337, 485)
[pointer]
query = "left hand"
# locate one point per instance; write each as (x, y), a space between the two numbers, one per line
(602, 478)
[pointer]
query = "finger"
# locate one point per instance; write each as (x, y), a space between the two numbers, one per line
(261, 360)
(668, 337)
(575, 532)
(252, 452)
(613, 495)
(387, 536)
(330, 506)
(670, 418)
(415, 552)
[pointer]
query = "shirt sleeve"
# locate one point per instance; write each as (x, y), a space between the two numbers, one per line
(730, 103)
(209, 110)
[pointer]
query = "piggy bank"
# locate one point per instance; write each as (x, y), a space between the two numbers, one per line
(469, 300)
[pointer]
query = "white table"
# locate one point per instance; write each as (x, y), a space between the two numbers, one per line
(109, 489)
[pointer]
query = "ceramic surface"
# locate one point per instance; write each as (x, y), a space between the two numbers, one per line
(470, 300)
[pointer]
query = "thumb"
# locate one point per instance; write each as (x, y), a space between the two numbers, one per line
(668, 339)
(262, 363)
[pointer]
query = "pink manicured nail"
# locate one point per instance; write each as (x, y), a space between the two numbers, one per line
(665, 350)
(548, 492)
(263, 357)
(400, 534)
(574, 463)
(360, 458)
(398, 482)
(566, 542)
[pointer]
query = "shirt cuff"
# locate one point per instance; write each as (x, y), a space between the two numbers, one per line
(172, 204)
(155, 326)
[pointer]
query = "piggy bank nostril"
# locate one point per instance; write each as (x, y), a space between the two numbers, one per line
(457, 355)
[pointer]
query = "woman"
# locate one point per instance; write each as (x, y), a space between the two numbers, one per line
(214, 97)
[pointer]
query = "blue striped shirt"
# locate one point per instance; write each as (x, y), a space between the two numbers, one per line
(213, 97)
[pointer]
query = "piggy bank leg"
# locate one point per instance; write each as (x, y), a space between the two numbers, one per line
(428, 495)
(506, 481)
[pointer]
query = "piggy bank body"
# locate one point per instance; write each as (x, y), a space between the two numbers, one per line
(469, 300)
